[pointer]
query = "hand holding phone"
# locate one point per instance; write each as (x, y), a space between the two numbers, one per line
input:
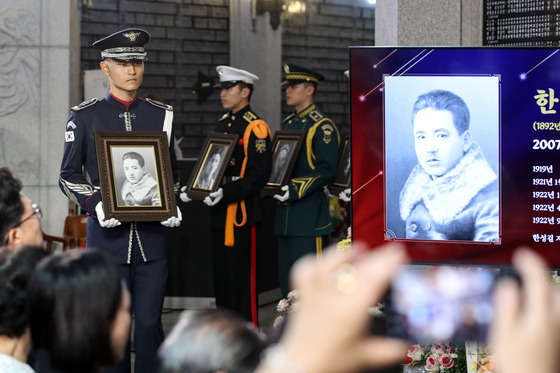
(444, 304)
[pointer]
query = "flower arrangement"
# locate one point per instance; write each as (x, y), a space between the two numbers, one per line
(346, 243)
(286, 306)
(436, 358)
(485, 362)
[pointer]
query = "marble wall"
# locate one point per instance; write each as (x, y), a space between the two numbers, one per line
(38, 75)
(429, 22)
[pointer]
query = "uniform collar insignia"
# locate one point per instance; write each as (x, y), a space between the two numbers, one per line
(306, 111)
(315, 115)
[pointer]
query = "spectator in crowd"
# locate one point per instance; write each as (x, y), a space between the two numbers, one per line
(20, 219)
(79, 312)
(211, 341)
(15, 339)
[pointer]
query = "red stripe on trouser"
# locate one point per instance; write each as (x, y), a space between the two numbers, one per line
(254, 276)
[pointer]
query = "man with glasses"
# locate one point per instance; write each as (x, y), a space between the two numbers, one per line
(20, 219)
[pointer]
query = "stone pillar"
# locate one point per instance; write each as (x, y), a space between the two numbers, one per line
(428, 22)
(260, 52)
(39, 57)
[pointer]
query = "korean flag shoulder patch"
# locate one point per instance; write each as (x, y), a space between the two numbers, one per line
(69, 136)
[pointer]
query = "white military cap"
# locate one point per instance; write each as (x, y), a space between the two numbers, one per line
(230, 76)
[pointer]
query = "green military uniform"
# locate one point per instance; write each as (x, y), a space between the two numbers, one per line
(303, 220)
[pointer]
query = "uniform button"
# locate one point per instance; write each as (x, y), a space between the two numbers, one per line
(229, 124)
(303, 121)
(290, 122)
(233, 117)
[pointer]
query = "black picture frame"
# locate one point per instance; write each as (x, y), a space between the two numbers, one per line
(286, 148)
(135, 175)
(343, 177)
(211, 164)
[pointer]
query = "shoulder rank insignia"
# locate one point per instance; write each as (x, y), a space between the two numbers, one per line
(249, 117)
(225, 116)
(315, 115)
(260, 146)
(85, 104)
(327, 133)
(160, 104)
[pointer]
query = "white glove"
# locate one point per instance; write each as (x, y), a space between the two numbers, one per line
(345, 195)
(328, 192)
(283, 197)
(214, 197)
(173, 221)
(111, 223)
(183, 195)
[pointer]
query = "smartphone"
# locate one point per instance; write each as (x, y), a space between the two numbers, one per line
(441, 304)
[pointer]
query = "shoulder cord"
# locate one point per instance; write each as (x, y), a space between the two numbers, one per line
(261, 130)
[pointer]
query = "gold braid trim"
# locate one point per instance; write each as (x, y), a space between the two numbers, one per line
(302, 76)
(309, 142)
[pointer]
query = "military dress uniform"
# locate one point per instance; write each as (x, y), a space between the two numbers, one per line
(234, 267)
(303, 221)
(140, 247)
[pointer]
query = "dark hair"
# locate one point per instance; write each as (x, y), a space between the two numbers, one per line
(246, 85)
(205, 341)
(11, 207)
(445, 101)
(15, 269)
(73, 300)
(134, 155)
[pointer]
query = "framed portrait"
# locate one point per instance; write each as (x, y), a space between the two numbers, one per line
(211, 164)
(135, 175)
(286, 147)
(343, 175)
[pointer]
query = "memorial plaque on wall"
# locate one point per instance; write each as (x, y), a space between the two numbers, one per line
(521, 22)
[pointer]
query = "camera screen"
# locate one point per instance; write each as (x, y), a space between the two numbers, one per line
(444, 304)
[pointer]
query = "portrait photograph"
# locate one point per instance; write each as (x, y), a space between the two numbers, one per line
(211, 164)
(135, 175)
(135, 168)
(286, 145)
(280, 159)
(442, 157)
(343, 175)
(213, 160)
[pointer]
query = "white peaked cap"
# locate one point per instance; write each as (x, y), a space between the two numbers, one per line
(228, 74)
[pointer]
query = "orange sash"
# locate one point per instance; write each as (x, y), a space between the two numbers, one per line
(261, 130)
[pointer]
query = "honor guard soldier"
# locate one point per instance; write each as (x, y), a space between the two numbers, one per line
(139, 247)
(236, 207)
(302, 219)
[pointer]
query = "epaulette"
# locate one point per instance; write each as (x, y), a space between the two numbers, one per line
(85, 104)
(160, 104)
(315, 115)
(289, 117)
(225, 116)
(249, 117)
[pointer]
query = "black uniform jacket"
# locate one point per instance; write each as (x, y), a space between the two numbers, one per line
(257, 170)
